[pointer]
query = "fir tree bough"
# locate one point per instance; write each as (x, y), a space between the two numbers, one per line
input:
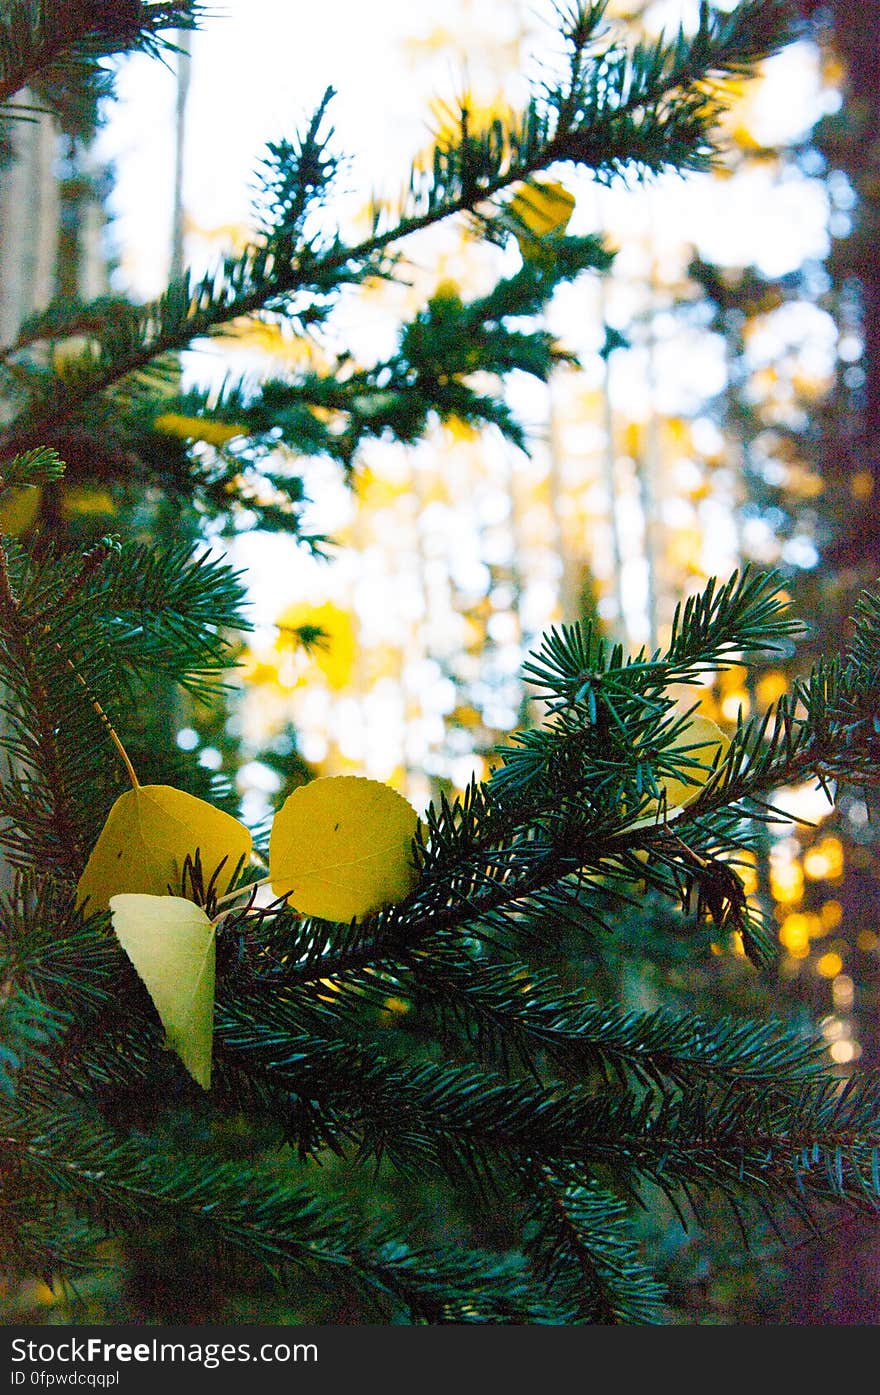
(533, 1096)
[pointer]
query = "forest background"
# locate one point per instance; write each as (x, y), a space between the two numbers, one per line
(717, 407)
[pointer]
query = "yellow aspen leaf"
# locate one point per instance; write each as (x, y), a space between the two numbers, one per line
(18, 509)
(341, 847)
(213, 433)
(379, 490)
(171, 943)
(701, 740)
(148, 833)
(542, 208)
(446, 122)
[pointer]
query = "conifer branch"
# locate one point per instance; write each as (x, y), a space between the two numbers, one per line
(580, 1242)
(67, 1151)
(51, 45)
(271, 275)
(43, 749)
(458, 1119)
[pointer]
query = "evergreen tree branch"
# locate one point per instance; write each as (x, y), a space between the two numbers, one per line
(56, 48)
(63, 1150)
(37, 749)
(468, 1122)
(631, 108)
(580, 1242)
(79, 637)
(511, 1007)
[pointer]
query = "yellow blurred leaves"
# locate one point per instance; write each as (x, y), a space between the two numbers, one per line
(149, 833)
(213, 433)
(786, 880)
(460, 430)
(830, 965)
(796, 931)
(275, 340)
(542, 209)
(341, 847)
(333, 650)
(18, 509)
(85, 500)
(234, 238)
(824, 861)
(543, 206)
(771, 686)
(376, 491)
(861, 484)
(789, 873)
(448, 120)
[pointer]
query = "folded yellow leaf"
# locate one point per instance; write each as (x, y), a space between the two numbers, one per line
(701, 740)
(149, 832)
(341, 847)
(171, 943)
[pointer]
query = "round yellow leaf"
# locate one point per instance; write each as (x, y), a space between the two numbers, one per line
(171, 943)
(341, 847)
(148, 833)
(703, 741)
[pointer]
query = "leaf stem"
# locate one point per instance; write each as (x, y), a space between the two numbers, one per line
(242, 891)
(108, 725)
